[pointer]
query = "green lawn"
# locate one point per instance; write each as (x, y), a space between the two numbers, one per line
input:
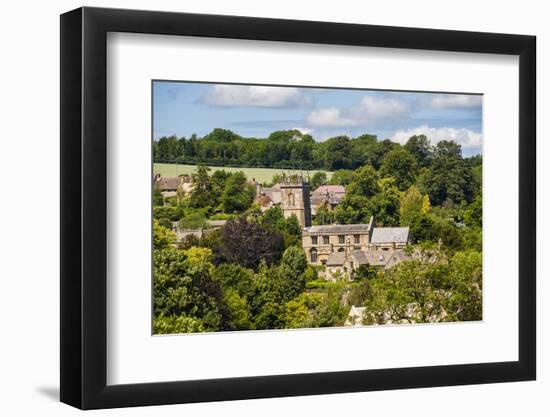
(261, 174)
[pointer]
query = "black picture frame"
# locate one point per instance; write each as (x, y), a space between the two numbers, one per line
(84, 207)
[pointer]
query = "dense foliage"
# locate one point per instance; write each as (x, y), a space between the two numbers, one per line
(253, 274)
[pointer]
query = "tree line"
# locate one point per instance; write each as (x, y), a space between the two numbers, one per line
(286, 149)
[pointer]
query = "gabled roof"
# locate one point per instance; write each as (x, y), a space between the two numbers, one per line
(339, 228)
(274, 193)
(379, 257)
(336, 259)
(168, 183)
(336, 189)
(359, 257)
(390, 235)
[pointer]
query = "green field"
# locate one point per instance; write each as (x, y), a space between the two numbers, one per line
(260, 174)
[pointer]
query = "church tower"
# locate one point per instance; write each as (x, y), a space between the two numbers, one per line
(295, 198)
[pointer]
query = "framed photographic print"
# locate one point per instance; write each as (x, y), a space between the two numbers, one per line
(257, 207)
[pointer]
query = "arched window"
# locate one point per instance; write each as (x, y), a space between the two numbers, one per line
(313, 255)
(291, 199)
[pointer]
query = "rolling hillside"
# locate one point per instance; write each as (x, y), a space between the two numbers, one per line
(260, 174)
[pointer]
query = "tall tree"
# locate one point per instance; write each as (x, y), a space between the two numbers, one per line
(337, 154)
(221, 135)
(202, 196)
(376, 152)
(385, 204)
(293, 231)
(341, 177)
(274, 219)
(411, 204)
(448, 177)
(291, 273)
(183, 287)
(248, 243)
(419, 147)
(356, 206)
(401, 165)
(365, 182)
(237, 195)
(318, 179)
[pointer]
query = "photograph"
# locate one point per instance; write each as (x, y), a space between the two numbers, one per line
(291, 207)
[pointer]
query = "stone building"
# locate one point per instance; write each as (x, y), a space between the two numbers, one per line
(344, 248)
(319, 242)
(342, 264)
(171, 186)
(328, 196)
(291, 194)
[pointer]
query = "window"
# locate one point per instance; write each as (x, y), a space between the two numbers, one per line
(356, 239)
(313, 255)
(290, 199)
(325, 240)
(341, 239)
(313, 240)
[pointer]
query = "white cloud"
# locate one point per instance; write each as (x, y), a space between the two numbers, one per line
(367, 111)
(465, 137)
(254, 96)
(455, 101)
(303, 130)
(329, 117)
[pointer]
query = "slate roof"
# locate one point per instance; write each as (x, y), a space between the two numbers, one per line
(379, 257)
(390, 235)
(374, 258)
(360, 258)
(339, 228)
(336, 259)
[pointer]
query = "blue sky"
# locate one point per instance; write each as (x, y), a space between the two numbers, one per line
(184, 108)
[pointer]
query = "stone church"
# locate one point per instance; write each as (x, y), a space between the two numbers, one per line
(341, 248)
(292, 194)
